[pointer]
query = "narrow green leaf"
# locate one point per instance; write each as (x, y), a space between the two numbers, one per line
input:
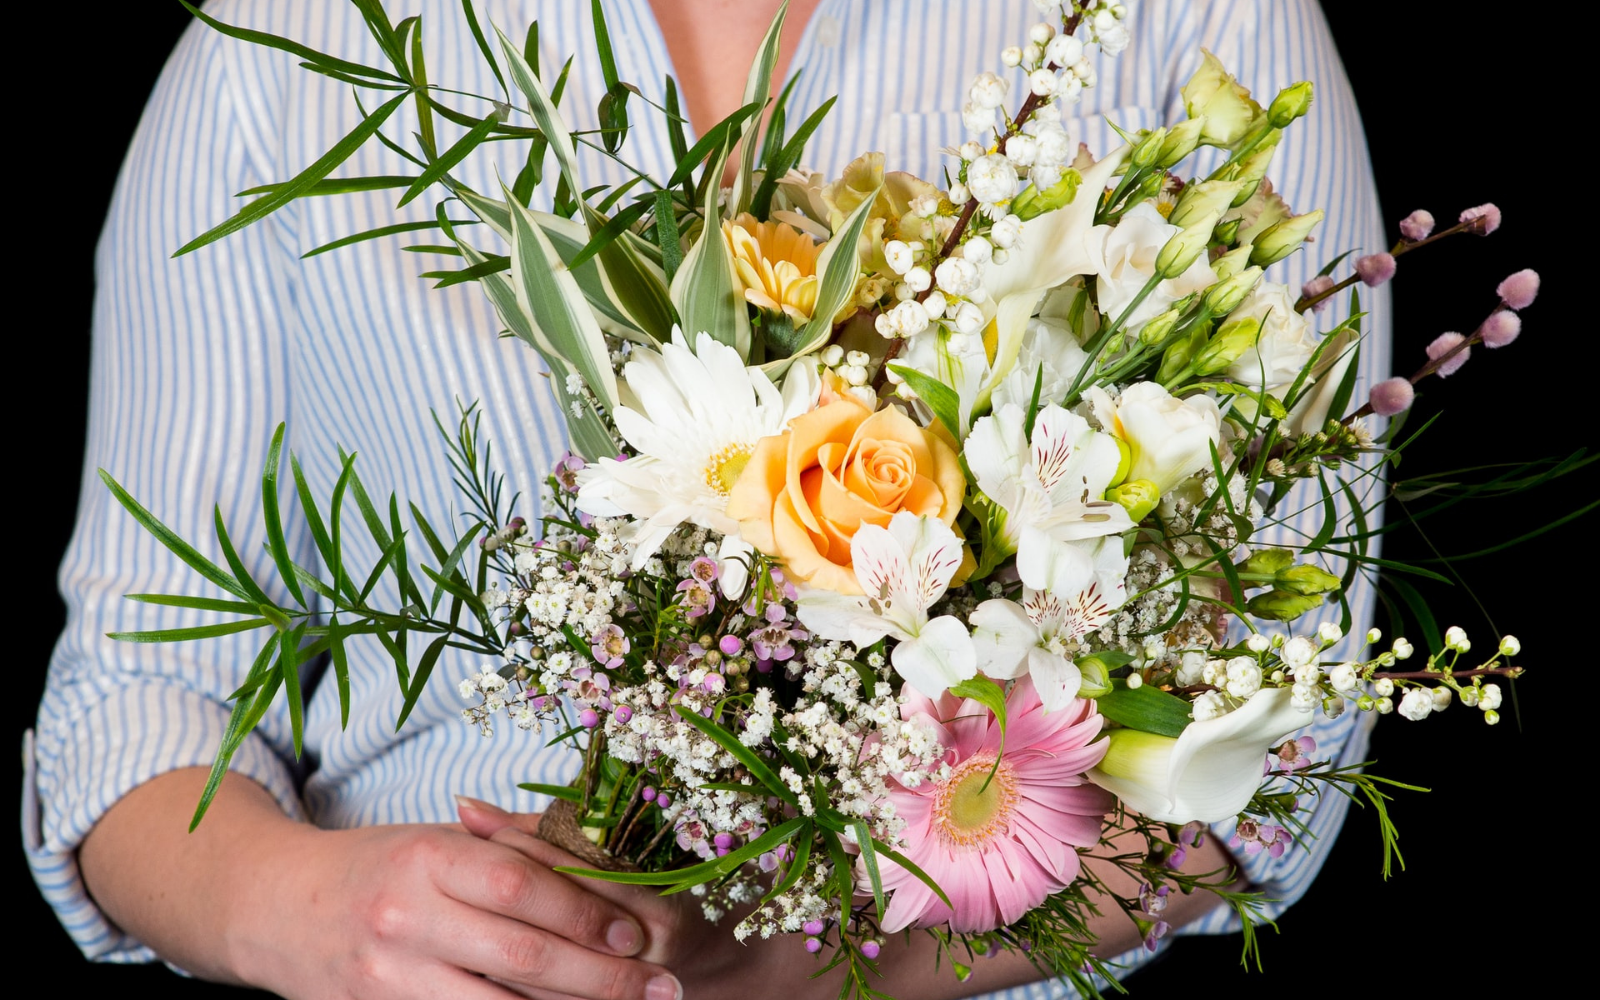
(341, 582)
(641, 289)
(419, 78)
(419, 679)
(341, 669)
(193, 632)
(290, 46)
(233, 735)
(714, 141)
(276, 544)
(839, 265)
(667, 236)
(169, 538)
(607, 232)
(1419, 611)
(564, 792)
(197, 603)
(761, 203)
(334, 185)
(1148, 709)
(387, 38)
(602, 40)
(757, 90)
(324, 165)
(251, 589)
(308, 504)
(869, 860)
(483, 44)
(449, 158)
(705, 871)
(543, 109)
(757, 767)
(289, 665)
(492, 265)
(705, 291)
(941, 399)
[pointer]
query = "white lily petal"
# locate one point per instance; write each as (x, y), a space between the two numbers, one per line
(939, 656)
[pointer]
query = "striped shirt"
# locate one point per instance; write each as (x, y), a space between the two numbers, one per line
(195, 360)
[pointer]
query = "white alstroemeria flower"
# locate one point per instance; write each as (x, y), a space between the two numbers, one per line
(1050, 488)
(1170, 439)
(1282, 349)
(903, 570)
(1207, 774)
(1039, 636)
(1124, 260)
(692, 419)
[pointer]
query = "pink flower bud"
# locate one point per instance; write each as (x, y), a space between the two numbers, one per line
(870, 949)
(1417, 226)
(1392, 396)
(1316, 286)
(1444, 344)
(1375, 269)
(1501, 328)
(1485, 218)
(1519, 290)
(588, 718)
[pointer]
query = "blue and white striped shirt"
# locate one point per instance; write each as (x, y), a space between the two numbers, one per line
(196, 359)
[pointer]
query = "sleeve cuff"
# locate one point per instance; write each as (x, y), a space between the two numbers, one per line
(75, 771)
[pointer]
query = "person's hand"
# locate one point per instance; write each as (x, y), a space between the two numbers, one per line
(413, 911)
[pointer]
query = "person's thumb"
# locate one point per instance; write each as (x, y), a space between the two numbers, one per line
(483, 819)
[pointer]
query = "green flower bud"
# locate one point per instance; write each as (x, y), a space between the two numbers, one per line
(1224, 297)
(1227, 232)
(1186, 247)
(1096, 677)
(1155, 331)
(1253, 166)
(1267, 561)
(1181, 141)
(1202, 198)
(1227, 107)
(1148, 151)
(1307, 580)
(1283, 238)
(1291, 102)
(1138, 496)
(1178, 354)
(1231, 263)
(1229, 344)
(1032, 202)
(1281, 606)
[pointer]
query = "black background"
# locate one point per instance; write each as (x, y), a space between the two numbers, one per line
(1454, 117)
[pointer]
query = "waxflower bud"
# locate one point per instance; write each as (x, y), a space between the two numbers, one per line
(1149, 150)
(1186, 247)
(1281, 605)
(1202, 199)
(1034, 202)
(1229, 344)
(1181, 141)
(1283, 238)
(1224, 297)
(1138, 496)
(1291, 102)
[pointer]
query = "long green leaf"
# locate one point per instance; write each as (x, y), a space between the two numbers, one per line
(941, 399)
(308, 503)
(341, 669)
(193, 632)
(335, 185)
(449, 158)
(290, 46)
(419, 679)
(705, 290)
(276, 543)
(667, 236)
(263, 207)
(787, 157)
(565, 792)
(714, 141)
(757, 89)
(1420, 611)
(869, 860)
(757, 767)
(641, 288)
(419, 79)
(543, 109)
(234, 734)
(705, 871)
(289, 666)
(169, 538)
(252, 590)
(483, 44)
(197, 603)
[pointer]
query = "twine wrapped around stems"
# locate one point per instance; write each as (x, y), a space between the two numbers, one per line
(559, 826)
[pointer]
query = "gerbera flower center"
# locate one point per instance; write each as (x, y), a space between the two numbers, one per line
(970, 809)
(723, 467)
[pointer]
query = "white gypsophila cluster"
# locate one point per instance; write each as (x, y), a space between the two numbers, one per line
(807, 900)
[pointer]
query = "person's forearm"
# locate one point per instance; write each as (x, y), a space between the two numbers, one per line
(182, 893)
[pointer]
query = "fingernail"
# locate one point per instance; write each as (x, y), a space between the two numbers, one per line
(623, 937)
(468, 802)
(663, 988)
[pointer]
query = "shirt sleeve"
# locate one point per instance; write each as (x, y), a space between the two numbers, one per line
(189, 371)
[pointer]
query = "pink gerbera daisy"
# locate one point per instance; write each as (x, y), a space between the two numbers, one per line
(997, 848)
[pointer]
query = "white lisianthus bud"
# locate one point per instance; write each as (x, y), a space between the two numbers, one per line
(1258, 643)
(1454, 636)
(1373, 635)
(1469, 697)
(977, 249)
(1330, 632)
(1510, 645)
(1199, 199)
(968, 318)
(1011, 56)
(1384, 687)
(919, 279)
(988, 91)
(1298, 652)
(1186, 247)
(1441, 699)
(1022, 150)
(898, 254)
(959, 194)
(1042, 82)
(992, 179)
(1308, 675)
(1417, 704)
(1063, 50)
(1385, 706)
(1490, 698)
(1244, 676)
(935, 304)
(1209, 705)
(975, 118)
(1402, 649)
(1031, 54)
(1006, 232)
(1344, 678)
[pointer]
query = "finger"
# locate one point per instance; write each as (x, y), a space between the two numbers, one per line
(514, 953)
(501, 880)
(483, 819)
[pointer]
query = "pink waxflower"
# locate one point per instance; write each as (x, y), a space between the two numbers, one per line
(610, 646)
(1501, 328)
(1519, 290)
(1256, 837)
(1444, 344)
(1295, 754)
(996, 847)
(1391, 396)
(1375, 269)
(1417, 226)
(1485, 218)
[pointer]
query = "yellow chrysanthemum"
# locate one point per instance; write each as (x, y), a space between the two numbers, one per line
(777, 264)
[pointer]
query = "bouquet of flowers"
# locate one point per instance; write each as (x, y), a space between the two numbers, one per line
(905, 554)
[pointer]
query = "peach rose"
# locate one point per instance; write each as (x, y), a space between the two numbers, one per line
(806, 491)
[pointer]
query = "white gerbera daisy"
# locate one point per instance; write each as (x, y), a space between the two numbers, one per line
(697, 415)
